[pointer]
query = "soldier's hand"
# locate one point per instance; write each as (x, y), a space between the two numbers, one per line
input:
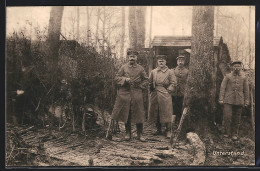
(221, 101)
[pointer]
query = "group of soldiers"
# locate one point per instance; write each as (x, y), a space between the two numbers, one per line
(166, 92)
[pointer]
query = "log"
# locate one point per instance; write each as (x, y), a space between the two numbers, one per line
(199, 149)
(25, 130)
(166, 153)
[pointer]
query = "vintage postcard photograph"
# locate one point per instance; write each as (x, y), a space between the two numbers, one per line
(130, 86)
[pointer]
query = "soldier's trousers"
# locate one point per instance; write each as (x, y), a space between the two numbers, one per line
(177, 107)
(231, 119)
(139, 126)
(159, 125)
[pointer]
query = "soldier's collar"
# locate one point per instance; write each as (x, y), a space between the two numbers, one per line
(134, 65)
(236, 74)
(163, 70)
(178, 67)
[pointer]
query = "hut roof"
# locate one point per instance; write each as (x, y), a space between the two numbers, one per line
(177, 41)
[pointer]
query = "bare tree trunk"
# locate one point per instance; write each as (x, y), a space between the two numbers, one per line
(77, 23)
(54, 31)
(88, 30)
(236, 56)
(249, 39)
(123, 33)
(109, 32)
(136, 20)
(104, 28)
(199, 94)
(217, 16)
(151, 24)
(132, 27)
(73, 28)
(97, 25)
(140, 26)
(150, 62)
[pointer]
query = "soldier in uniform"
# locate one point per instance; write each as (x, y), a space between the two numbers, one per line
(181, 73)
(162, 83)
(129, 107)
(234, 94)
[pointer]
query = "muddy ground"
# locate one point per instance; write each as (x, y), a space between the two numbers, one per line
(32, 146)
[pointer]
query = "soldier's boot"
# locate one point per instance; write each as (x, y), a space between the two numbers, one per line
(236, 124)
(140, 137)
(139, 128)
(128, 136)
(128, 131)
(159, 129)
(168, 134)
(167, 130)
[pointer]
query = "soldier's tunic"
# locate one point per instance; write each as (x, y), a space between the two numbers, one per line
(181, 74)
(160, 98)
(129, 96)
(234, 92)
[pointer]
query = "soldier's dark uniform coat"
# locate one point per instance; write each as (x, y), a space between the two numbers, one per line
(130, 94)
(234, 92)
(160, 98)
(181, 74)
(234, 89)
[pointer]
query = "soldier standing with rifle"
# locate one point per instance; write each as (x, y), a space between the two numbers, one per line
(181, 73)
(234, 94)
(129, 107)
(162, 83)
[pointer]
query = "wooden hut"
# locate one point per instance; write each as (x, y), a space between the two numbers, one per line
(172, 46)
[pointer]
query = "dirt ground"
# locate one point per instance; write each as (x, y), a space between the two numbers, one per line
(53, 147)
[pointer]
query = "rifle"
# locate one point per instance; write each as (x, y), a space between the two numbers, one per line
(113, 128)
(134, 84)
(177, 132)
(172, 123)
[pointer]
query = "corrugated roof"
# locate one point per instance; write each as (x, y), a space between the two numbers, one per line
(177, 41)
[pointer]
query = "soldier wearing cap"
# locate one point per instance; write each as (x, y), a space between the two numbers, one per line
(162, 83)
(181, 73)
(129, 107)
(234, 94)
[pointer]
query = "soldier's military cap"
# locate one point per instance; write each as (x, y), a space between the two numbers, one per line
(161, 57)
(180, 57)
(236, 62)
(132, 52)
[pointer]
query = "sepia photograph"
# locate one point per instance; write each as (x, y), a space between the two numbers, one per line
(164, 86)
